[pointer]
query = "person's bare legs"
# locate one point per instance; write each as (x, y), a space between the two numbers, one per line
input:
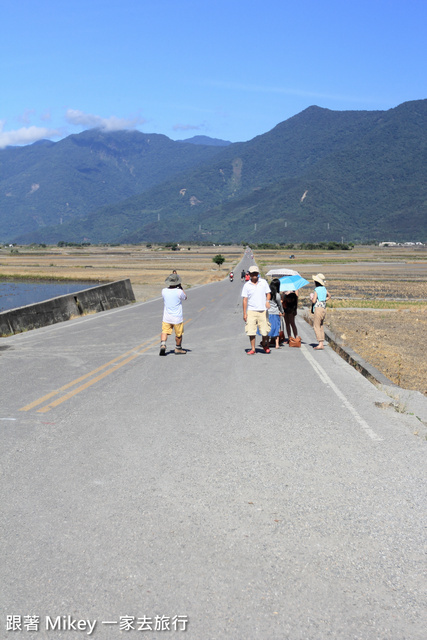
(163, 338)
(265, 342)
(178, 343)
(319, 346)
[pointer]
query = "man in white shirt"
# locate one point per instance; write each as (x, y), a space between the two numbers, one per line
(173, 295)
(256, 300)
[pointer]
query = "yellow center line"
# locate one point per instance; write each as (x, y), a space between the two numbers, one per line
(125, 359)
(77, 380)
(88, 384)
(201, 309)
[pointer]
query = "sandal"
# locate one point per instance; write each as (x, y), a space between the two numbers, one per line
(251, 352)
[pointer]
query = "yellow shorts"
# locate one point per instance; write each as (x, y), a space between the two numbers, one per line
(257, 320)
(167, 328)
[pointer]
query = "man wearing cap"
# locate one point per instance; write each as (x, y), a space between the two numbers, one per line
(173, 295)
(256, 300)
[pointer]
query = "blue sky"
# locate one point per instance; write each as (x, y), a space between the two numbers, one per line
(222, 68)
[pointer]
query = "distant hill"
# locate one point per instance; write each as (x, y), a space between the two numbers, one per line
(320, 175)
(214, 142)
(47, 183)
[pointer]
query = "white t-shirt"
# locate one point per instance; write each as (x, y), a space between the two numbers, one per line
(256, 294)
(172, 311)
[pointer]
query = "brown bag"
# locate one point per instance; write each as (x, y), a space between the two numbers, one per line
(294, 342)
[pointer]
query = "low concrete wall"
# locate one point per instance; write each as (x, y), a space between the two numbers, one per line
(350, 356)
(71, 305)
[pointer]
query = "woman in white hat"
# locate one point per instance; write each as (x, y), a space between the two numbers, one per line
(319, 300)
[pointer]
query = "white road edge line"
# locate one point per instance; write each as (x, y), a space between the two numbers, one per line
(326, 379)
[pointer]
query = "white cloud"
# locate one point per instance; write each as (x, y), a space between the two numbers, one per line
(81, 119)
(25, 135)
(30, 134)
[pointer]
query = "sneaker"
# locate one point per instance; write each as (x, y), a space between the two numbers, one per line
(179, 350)
(162, 351)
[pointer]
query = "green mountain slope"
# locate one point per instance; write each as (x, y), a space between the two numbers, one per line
(321, 175)
(46, 183)
(214, 142)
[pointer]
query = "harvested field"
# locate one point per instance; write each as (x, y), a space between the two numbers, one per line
(391, 334)
(387, 290)
(378, 306)
(146, 268)
(393, 341)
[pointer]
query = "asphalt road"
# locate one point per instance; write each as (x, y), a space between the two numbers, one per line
(263, 497)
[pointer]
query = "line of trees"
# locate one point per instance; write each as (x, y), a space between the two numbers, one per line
(308, 246)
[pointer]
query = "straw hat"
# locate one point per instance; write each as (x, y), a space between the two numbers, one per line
(319, 278)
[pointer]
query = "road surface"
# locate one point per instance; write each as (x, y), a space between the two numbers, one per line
(262, 497)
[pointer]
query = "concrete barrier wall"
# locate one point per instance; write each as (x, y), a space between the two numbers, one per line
(350, 356)
(71, 305)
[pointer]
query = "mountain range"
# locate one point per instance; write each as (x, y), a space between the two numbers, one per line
(320, 175)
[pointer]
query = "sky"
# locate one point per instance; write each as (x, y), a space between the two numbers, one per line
(228, 69)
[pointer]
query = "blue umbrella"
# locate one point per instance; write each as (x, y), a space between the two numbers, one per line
(292, 283)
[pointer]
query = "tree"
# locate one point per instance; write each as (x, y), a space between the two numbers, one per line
(218, 259)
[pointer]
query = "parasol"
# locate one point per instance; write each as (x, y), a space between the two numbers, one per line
(278, 272)
(292, 283)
